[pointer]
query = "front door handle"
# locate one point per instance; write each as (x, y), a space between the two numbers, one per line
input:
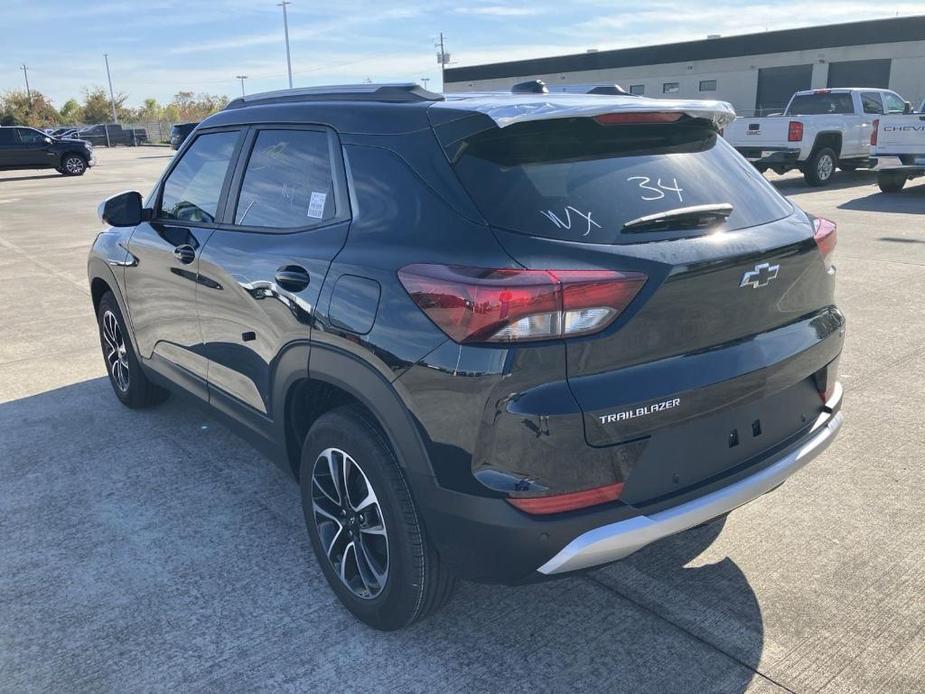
(185, 253)
(292, 278)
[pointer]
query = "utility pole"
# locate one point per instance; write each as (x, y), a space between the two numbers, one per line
(242, 78)
(25, 72)
(444, 59)
(112, 100)
(424, 81)
(286, 30)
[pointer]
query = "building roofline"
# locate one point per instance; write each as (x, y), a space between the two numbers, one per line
(892, 30)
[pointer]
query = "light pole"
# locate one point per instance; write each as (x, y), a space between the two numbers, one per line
(286, 30)
(443, 58)
(425, 80)
(112, 100)
(25, 72)
(242, 78)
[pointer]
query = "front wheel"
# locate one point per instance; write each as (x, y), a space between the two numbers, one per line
(891, 182)
(363, 524)
(128, 381)
(73, 165)
(819, 167)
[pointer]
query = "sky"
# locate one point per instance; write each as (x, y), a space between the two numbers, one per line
(159, 47)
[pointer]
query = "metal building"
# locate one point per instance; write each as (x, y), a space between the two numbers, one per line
(757, 73)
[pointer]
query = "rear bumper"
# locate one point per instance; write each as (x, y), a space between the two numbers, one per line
(618, 540)
(911, 164)
(770, 156)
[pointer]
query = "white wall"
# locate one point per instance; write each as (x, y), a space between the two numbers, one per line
(737, 78)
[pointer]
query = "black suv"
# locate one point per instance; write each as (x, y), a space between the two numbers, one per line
(498, 337)
(179, 133)
(28, 148)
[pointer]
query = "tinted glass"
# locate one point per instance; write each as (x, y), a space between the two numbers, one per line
(893, 103)
(575, 179)
(7, 136)
(288, 182)
(816, 104)
(30, 136)
(192, 190)
(871, 102)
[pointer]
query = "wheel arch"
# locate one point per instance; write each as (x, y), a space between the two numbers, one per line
(829, 138)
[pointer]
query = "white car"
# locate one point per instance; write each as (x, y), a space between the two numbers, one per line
(898, 145)
(821, 129)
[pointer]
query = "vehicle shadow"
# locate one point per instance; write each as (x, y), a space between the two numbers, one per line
(4, 179)
(155, 549)
(911, 200)
(793, 185)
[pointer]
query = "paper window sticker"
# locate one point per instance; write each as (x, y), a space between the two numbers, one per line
(316, 205)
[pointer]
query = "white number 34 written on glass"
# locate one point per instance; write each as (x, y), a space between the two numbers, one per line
(658, 190)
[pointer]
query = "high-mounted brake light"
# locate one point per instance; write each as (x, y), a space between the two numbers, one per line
(510, 304)
(795, 131)
(874, 128)
(825, 238)
(637, 117)
(557, 503)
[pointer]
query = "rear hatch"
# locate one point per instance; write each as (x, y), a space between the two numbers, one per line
(717, 359)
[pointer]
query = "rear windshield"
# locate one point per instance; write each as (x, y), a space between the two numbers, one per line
(575, 179)
(817, 104)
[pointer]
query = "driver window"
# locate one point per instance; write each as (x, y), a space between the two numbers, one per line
(28, 136)
(192, 189)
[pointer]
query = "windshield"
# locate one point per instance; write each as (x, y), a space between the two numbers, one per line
(575, 179)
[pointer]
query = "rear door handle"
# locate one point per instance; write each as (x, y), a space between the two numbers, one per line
(185, 253)
(292, 278)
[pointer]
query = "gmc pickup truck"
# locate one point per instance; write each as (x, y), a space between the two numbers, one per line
(898, 146)
(819, 130)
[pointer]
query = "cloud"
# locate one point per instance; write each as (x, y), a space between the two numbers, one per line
(500, 11)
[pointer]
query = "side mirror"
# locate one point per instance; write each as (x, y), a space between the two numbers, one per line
(908, 108)
(122, 210)
(48, 140)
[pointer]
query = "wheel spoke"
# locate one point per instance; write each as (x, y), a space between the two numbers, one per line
(370, 563)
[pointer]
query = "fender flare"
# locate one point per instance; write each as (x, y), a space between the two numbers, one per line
(98, 269)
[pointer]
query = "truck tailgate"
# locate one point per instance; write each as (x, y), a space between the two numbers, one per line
(757, 132)
(899, 135)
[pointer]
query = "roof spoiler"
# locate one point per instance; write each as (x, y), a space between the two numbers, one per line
(391, 93)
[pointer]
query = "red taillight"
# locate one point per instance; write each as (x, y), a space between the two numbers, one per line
(794, 131)
(874, 127)
(504, 305)
(557, 503)
(638, 117)
(825, 238)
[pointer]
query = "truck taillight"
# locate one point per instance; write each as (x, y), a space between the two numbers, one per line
(874, 128)
(512, 305)
(794, 131)
(825, 238)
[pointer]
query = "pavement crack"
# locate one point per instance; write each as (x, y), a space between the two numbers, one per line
(688, 632)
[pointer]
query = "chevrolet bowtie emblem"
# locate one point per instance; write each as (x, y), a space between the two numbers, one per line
(761, 276)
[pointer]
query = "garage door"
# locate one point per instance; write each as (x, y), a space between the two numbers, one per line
(860, 73)
(777, 84)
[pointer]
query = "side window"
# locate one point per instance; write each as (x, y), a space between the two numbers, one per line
(288, 182)
(871, 102)
(7, 136)
(29, 136)
(192, 189)
(893, 103)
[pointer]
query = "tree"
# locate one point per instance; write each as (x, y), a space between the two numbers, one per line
(71, 113)
(186, 106)
(19, 108)
(97, 107)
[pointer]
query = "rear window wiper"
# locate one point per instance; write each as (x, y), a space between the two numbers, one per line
(693, 217)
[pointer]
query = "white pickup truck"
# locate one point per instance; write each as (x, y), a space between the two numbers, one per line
(819, 130)
(898, 146)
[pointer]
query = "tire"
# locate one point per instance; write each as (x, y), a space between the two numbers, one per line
(891, 182)
(73, 164)
(126, 377)
(820, 167)
(404, 579)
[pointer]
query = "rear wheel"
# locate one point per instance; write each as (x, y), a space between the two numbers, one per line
(891, 182)
(363, 524)
(128, 381)
(73, 165)
(820, 167)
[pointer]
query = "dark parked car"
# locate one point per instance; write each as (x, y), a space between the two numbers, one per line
(117, 135)
(180, 132)
(28, 148)
(495, 337)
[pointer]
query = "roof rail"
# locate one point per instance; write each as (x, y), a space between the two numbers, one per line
(394, 93)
